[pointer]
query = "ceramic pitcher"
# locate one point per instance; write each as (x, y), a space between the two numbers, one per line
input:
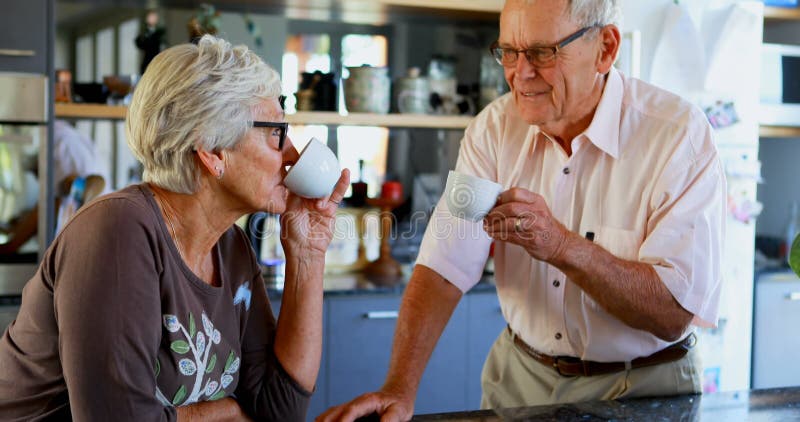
(367, 90)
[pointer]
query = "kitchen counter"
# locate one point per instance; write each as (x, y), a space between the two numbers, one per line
(780, 404)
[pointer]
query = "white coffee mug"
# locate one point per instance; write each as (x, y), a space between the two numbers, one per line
(315, 173)
(470, 197)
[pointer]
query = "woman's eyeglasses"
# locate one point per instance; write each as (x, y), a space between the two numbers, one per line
(282, 126)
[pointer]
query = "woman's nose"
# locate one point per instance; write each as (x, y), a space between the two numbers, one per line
(290, 154)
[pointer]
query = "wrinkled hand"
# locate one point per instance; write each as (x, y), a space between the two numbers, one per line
(522, 217)
(389, 406)
(307, 224)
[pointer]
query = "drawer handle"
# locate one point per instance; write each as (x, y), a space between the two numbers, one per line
(793, 296)
(381, 315)
(16, 53)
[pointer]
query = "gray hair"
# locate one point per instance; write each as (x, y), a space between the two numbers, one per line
(595, 12)
(193, 96)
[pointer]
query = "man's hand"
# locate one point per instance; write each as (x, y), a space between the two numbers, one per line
(389, 406)
(522, 217)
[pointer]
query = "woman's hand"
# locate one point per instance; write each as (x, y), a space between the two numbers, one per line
(226, 409)
(307, 224)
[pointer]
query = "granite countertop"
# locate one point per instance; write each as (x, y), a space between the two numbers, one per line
(360, 284)
(780, 404)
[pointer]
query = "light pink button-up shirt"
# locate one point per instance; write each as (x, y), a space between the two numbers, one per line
(645, 177)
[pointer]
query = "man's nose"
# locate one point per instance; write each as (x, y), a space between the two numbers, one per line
(523, 66)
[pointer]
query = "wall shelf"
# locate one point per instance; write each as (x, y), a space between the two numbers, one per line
(781, 13)
(90, 111)
(489, 6)
(765, 131)
(106, 112)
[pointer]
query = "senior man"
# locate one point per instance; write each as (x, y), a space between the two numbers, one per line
(608, 239)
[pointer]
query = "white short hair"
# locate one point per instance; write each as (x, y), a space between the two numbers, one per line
(591, 12)
(595, 12)
(191, 96)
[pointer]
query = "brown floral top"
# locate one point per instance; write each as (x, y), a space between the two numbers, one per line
(114, 326)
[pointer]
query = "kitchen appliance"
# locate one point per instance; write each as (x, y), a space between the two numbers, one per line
(723, 32)
(780, 86)
(23, 167)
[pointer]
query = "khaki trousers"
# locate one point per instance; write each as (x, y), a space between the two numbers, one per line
(511, 378)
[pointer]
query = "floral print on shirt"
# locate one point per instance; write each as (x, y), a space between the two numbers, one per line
(199, 362)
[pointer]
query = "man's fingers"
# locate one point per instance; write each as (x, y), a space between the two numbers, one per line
(517, 195)
(361, 406)
(394, 414)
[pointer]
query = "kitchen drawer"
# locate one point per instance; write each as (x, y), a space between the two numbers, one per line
(361, 330)
(24, 32)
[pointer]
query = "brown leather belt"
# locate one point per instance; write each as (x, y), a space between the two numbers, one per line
(571, 366)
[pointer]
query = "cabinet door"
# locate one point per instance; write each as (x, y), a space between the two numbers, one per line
(319, 401)
(486, 322)
(775, 339)
(442, 386)
(361, 331)
(23, 36)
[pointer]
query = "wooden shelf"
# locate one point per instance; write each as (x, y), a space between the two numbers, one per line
(781, 13)
(765, 131)
(384, 120)
(490, 6)
(90, 111)
(105, 112)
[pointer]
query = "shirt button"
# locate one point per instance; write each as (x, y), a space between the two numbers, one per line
(556, 283)
(558, 336)
(565, 170)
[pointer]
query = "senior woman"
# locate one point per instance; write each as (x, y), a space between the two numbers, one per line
(150, 304)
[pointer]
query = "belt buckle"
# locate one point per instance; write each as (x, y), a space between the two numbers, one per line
(557, 368)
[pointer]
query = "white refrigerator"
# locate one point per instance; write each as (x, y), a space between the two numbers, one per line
(709, 52)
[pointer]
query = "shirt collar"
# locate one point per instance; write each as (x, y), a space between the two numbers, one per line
(603, 132)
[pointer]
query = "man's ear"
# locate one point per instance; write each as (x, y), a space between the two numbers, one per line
(609, 38)
(212, 161)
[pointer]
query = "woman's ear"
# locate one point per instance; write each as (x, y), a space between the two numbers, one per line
(609, 38)
(212, 161)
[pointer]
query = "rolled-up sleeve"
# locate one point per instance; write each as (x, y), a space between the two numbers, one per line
(457, 249)
(686, 230)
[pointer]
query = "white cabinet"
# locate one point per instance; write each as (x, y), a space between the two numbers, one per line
(776, 342)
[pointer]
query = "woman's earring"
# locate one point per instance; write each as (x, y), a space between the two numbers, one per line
(220, 172)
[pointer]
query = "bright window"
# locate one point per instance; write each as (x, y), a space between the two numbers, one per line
(364, 143)
(312, 52)
(303, 53)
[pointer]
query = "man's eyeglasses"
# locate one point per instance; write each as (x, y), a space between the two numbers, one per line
(541, 56)
(283, 127)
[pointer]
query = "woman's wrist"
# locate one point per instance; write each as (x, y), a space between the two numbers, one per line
(303, 254)
(304, 268)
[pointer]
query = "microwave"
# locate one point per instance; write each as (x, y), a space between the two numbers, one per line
(780, 85)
